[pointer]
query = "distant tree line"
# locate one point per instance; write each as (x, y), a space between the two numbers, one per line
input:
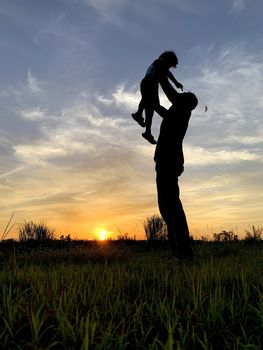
(154, 227)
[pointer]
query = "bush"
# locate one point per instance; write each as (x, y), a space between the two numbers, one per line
(39, 232)
(225, 236)
(126, 237)
(254, 235)
(155, 228)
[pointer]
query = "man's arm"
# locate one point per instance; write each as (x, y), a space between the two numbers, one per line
(162, 111)
(169, 91)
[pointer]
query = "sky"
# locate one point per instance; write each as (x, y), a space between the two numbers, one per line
(72, 156)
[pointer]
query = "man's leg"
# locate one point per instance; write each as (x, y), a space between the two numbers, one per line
(181, 230)
(172, 211)
(164, 203)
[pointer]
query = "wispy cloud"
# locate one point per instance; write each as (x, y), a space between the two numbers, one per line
(230, 85)
(105, 7)
(239, 5)
(73, 132)
(11, 172)
(203, 157)
(33, 114)
(132, 15)
(34, 85)
(122, 98)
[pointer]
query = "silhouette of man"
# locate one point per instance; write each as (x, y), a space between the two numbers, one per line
(169, 159)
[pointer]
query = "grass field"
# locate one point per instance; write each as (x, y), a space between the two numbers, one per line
(129, 295)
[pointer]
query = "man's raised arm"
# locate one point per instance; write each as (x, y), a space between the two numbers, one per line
(169, 91)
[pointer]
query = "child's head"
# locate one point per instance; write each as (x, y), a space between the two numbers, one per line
(170, 58)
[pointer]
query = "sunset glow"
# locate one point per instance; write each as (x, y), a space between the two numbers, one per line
(73, 157)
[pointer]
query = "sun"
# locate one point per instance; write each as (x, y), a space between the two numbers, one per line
(102, 234)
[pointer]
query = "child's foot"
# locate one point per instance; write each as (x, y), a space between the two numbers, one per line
(138, 118)
(149, 137)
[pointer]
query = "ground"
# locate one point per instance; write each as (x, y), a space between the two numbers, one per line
(130, 295)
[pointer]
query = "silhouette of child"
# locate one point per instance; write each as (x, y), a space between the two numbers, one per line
(149, 103)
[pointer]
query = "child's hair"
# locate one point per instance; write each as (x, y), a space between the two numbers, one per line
(171, 57)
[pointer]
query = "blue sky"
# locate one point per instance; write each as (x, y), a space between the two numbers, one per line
(70, 71)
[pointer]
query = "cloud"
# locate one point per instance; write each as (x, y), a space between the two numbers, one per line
(230, 83)
(230, 132)
(104, 6)
(256, 140)
(126, 98)
(36, 154)
(78, 130)
(109, 12)
(207, 157)
(109, 8)
(11, 172)
(133, 16)
(239, 5)
(33, 114)
(33, 84)
(122, 98)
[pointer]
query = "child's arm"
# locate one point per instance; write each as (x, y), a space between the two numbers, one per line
(172, 78)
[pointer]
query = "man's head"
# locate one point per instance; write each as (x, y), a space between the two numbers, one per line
(186, 101)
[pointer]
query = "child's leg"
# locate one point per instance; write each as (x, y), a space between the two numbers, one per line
(137, 116)
(144, 90)
(140, 107)
(152, 102)
(149, 111)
